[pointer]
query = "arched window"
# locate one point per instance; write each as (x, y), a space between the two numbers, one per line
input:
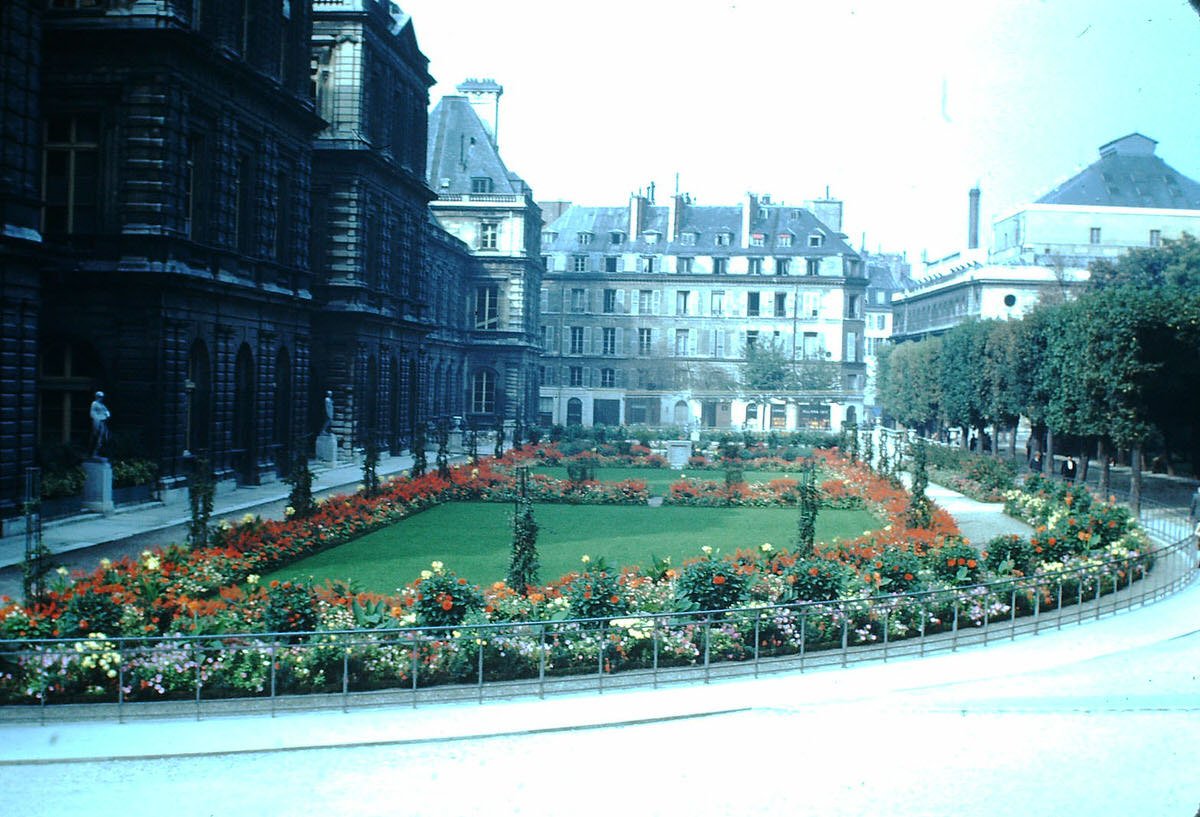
(243, 415)
(574, 412)
(751, 412)
(681, 412)
(483, 392)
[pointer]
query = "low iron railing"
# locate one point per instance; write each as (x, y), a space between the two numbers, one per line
(270, 672)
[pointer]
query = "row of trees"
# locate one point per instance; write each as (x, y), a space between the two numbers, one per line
(1115, 368)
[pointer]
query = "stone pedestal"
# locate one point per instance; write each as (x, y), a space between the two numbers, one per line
(97, 485)
(678, 452)
(327, 448)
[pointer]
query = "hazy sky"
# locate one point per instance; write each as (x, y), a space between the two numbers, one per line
(898, 107)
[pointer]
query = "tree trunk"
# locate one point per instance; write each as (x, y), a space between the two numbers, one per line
(1105, 472)
(1084, 460)
(1012, 442)
(1049, 458)
(1135, 479)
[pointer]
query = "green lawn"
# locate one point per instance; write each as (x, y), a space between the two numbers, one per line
(474, 538)
(659, 480)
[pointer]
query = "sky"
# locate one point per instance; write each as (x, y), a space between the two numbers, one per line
(899, 108)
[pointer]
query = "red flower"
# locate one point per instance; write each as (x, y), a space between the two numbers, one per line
(908, 577)
(718, 579)
(447, 604)
(814, 571)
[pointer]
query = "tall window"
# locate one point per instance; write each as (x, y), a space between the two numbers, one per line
(647, 263)
(752, 339)
(681, 301)
(483, 392)
(1155, 238)
(610, 263)
(578, 300)
(644, 342)
(71, 175)
(577, 340)
(243, 198)
(1094, 236)
(487, 307)
(752, 304)
(609, 341)
(812, 266)
(579, 263)
(645, 301)
(610, 301)
(576, 376)
(720, 266)
(489, 235)
(755, 266)
(783, 266)
(608, 378)
(283, 219)
(780, 304)
(681, 342)
(683, 264)
(718, 302)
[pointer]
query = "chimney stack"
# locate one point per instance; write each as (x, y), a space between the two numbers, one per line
(484, 96)
(973, 219)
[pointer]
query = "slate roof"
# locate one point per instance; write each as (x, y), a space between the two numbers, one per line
(705, 221)
(1128, 174)
(459, 150)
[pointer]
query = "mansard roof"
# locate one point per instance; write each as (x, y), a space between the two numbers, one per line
(460, 149)
(1128, 174)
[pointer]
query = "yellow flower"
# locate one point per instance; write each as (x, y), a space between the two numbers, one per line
(765, 547)
(106, 563)
(62, 571)
(437, 567)
(426, 574)
(585, 559)
(247, 519)
(707, 550)
(252, 578)
(289, 511)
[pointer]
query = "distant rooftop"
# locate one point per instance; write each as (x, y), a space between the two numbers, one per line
(1128, 174)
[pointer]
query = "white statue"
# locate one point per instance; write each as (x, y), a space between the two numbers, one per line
(100, 414)
(326, 429)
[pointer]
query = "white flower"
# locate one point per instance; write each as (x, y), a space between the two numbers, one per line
(765, 547)
(252, 578)
(707, 550)
(247, 519)
(426, 574)
(437, 567)
(62, 571)
(106, 563)
(289, 511)
(585, 558)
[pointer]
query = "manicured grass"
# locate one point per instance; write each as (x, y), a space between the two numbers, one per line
(474, 539)
(659, 480)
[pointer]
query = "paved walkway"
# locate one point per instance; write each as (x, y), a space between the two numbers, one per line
(80, 542)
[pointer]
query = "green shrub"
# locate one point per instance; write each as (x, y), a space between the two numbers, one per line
(65, 482)
(898, 571)
(710, 584)
(957, 564)
(1005, 554)
(291, 608)
(596, 594)
(444, 599)
(127, 473)
(89, 613)
(817, 579)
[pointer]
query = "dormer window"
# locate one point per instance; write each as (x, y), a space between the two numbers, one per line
(651, 238)
(757, 240)
(785, 240)
(816, 239)
(584, 238)
(688, 239)
(724, 239)
(481, 184)
(549, 237)
(616, 237)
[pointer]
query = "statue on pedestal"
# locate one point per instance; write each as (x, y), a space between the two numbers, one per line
(99, 414)
(327, 428)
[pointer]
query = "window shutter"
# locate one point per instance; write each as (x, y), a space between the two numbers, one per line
(741, 350)
(619, 345)
(597, 340)
(704, 341)
(544, 302)
(620, 300)
(656, 303)
(620, 378)
(729, 350)
(592, 376)
(587, 338)
(634, 302)
(669, 306)
(692, 342)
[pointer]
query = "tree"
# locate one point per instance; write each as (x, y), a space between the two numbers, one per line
(523, 564)
(767, 369)
(1002, 361)
(965, 390)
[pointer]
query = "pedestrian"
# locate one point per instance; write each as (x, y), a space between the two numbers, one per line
(973, 443)
(1069, 469)
(1035, 464)
(1028, 448)
(1194, 511)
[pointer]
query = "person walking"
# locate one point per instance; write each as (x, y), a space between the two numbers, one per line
(1069, 469)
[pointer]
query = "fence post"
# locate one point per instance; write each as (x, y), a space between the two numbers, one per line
(272, 652)
(414, 669)
(542, 661)
(924, 618)
(954, 626)
(1012, 614)
(1058, 609)
(479, 640)
(346, 678)
(1037, 608)
(707, 634)
(196, 659)
(885, 635)
(655, 674)
(845, 633)
(757, 618)
(600, 661)
(803, 635)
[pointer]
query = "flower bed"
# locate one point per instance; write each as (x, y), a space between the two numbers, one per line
(761, 601)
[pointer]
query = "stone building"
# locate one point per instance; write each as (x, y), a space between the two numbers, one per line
(648, 311)
(215, 212)
(491, 209)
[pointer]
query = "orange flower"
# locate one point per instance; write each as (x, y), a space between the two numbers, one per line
(462, 581)
(951, 562)
(718, 579)
(813, 571)
(908, 577)
(971, 563)
(274, 583)
(614, 599)
(447, 604)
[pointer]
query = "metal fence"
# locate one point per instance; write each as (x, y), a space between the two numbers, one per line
(204, 675)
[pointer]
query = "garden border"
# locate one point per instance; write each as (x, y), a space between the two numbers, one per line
(1174, 568)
